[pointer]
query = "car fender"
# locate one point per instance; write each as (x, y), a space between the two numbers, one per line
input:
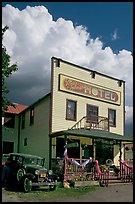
(29, 175)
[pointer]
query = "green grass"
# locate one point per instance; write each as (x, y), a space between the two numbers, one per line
(44, 195)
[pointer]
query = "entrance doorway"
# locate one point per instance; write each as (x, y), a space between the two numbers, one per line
(73, 148)
(88, 151)
(104, 152)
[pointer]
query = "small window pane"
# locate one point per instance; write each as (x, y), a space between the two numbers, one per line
(112, 117)
(23, 121)
(25, 141)
(71, 110)
(92, 113)
(31, 116)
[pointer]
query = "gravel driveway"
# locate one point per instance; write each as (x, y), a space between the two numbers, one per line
(115, 193)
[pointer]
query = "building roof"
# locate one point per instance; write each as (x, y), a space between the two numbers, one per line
(25, 155)
(96, 134)
(17, 109)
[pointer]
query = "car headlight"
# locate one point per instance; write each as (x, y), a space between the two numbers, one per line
(37, 172)
(50, 172)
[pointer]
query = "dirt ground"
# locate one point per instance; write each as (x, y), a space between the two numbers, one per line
(115, 193)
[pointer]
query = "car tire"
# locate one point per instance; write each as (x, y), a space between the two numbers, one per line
(20, 174)
(26, 185)
(52, 188)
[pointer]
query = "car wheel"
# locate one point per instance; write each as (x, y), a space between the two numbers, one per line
(20, 174)
(27, 185)
(52, 188)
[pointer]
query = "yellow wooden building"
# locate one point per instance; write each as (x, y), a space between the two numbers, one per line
(87, 111)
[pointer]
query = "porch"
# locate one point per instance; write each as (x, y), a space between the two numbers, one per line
(85, 172)
(90, 133)
(80, 140)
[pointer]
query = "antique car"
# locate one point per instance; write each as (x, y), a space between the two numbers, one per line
(28, 171)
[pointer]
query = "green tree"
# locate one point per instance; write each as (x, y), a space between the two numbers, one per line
(7, 70)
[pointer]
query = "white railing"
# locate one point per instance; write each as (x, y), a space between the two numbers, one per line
(92, 122)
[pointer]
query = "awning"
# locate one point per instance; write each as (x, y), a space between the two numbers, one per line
(94, 134)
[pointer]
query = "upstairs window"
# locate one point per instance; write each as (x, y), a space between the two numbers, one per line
(112, 117)
(71, 110)
(25, 141)
(9, 121)
(31, 116)
(92, 113)
(23, 121)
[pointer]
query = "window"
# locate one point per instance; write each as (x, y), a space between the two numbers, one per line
(8, 147)
(71, 110)
(9, 121)
(25, 141)
(112, 117)
(31, 116)
(23, 121)
(92, 113)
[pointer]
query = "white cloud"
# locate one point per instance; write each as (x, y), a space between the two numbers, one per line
(115, 35)
(34, 37)
(129, 114)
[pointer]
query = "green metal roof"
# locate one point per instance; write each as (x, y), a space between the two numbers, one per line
(94, 134)
(25, 155)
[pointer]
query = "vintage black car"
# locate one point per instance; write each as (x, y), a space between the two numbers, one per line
(28, 171)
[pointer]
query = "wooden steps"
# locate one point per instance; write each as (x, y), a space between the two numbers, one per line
(117, 180)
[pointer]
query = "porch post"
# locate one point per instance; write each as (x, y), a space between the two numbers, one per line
(94, 148)
(65, 165)
(124, 152)
(120, 150)
(120, 156)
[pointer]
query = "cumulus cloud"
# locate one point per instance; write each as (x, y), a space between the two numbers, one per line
(34, 37)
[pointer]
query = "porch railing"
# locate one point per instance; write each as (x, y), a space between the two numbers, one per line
(87, 170)
(84, 170)
(126, 171)
(92, 122)
(76, 169)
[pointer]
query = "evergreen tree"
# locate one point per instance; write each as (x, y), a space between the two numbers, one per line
(7, 70)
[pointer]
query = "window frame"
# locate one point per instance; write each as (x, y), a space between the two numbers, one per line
(32, 116)
(114, 119)
(89, 120)
(25, 141)
(9, 120)
(75, 111)
(23, 121)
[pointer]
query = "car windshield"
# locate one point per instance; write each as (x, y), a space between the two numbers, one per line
(35, 161)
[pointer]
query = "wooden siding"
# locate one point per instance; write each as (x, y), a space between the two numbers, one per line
(59, 98)
(37, 134)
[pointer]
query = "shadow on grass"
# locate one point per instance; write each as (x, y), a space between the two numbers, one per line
(12, 188)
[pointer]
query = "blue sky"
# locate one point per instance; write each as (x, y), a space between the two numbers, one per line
(95, 35)
(103, 19)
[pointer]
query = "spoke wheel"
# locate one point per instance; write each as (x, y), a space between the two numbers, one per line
(27, 185)
(52, 188)
(20, 174)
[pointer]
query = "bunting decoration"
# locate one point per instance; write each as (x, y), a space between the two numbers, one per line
(83, 164)
(65, 152)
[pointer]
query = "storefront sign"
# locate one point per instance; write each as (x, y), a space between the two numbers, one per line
(72, 85)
